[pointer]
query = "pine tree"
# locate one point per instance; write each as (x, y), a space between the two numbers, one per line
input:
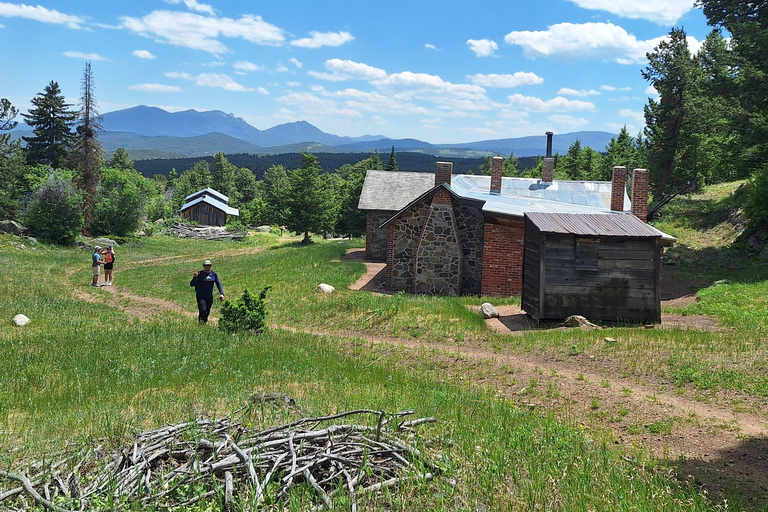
(307, 198)
(392, 163)
(87, 154)
(51, 120)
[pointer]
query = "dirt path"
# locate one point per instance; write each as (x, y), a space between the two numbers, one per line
(712, 443)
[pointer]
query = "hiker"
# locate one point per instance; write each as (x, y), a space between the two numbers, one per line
(203, 281)
(109, 262)
(96, 263)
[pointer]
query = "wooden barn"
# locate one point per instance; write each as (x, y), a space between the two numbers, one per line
(207, 207)
(601, 266)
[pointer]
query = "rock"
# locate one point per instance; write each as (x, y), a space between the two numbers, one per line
(579, 321)
(325, 288)
(488, 311)
(21, 320)
(263, 229)
(103, 241)
(11, 227)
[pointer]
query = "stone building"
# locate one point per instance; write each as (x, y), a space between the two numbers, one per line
(465, 234)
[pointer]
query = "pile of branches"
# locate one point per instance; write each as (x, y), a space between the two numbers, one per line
(220, 459)
(205, 232)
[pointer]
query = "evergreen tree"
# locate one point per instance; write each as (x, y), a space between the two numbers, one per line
(392, 162)
(671, 122)
(8, 114)
(307, 198)
(121, 160)
(51, 120)
(621, 151)
(274, 193)
(11, 164)
(87, 154)
(224, 177)
(196, 178)
(510, 165)
(375, 161)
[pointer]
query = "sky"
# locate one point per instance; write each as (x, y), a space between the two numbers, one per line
(441, 71)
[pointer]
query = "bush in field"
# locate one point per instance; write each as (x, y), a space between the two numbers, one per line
(55, 212)
(121, 202)
(249, 313)
(756, 208)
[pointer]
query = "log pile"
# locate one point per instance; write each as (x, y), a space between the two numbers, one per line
(205, 232)
(221, 459)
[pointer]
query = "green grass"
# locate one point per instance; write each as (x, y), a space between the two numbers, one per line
(84, 371)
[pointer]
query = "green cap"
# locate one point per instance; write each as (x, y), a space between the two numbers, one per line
(207, 262)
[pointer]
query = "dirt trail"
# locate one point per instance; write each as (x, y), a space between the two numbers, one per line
(719, 442)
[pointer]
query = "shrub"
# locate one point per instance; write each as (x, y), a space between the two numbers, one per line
(55, 212)
(249, 313)
(756, 208)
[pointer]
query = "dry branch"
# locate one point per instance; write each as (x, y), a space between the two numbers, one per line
(163, 465)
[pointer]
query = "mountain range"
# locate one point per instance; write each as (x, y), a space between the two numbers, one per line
(151, 132)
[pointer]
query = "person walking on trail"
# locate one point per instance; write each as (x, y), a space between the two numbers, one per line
(96, 263)
(203, 281)
(109, 262)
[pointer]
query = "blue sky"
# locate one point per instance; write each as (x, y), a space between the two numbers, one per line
(439, 71)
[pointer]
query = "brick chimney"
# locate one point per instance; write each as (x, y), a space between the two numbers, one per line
(548, 170)
(443, 172)
(618, 187)
(497, 170)
(640, 193)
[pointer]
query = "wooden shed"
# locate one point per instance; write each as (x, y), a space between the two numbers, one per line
(601, 266)
(207, 207)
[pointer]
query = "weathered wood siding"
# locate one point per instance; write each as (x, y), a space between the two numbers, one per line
(205, 214)
(530, 299)
(600, 278)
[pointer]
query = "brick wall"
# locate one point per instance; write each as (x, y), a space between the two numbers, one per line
(548, 170)
(640, 193)
(503, 259)
(618, 187)
(497, 171)
(443, 172)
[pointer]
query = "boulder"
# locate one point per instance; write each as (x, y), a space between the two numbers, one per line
(103, 241)
(11, 227)
(488, 311)
(262, 229)
(579, 321)
(21, 320)
(325, 288)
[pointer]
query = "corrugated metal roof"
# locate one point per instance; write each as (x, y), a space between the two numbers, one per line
(213, 202)
(208, 191)
(617, 224)
(388, 190)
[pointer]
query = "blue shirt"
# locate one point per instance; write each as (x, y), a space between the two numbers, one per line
(96, 259)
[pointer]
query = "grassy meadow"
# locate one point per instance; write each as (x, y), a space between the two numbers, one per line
(84, 372)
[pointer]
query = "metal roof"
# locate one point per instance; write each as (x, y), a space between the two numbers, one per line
(213, 202)
(208, 191)
(619, 225)
(389, 190)
(522, 195)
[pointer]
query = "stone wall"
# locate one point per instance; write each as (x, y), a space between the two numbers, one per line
(438, 253)
(404, 235)
(376, 238)
(471, 235)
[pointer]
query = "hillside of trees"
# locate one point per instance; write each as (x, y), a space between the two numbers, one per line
(709, 124)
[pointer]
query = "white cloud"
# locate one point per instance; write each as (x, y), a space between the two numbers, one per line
(482, 47)
(637, 117)
(612, 88)
(431, 47)
(340, 70)
(214, 80)
(651, 91)
(589, 41)
(566, 91)
(193, 5)
(245, 66)
(41, 14)
(558, 104)
(506, 81)
(296, 62)
(201, 32)
(85, 56)
(262, 90)
(568, 122)
(154, 87)
(319, 39)
(143, 54)
(662, 12)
